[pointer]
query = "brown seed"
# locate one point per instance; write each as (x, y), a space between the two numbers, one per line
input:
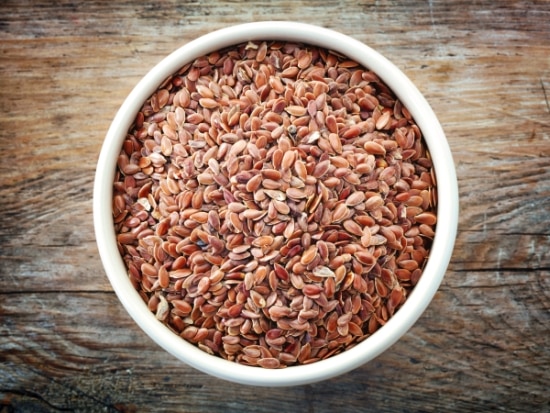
(309, 255)
(335, 141)
(409, 265)
(272, 174)
(323, 272)
(365, 258)
(271, 184)
(295, 110)
(304, 59)
(352, 132)
(126, 238)
(295, 278)
(149, 270)
(237, 148)
(275, 194)
(288, 160)
(254, 183)
(213, 220)
(208, 103)
(281, 206)
(258, 299)
(269, 363)
(426, 230)
(236, 207)
(355, 198)
(353, 227)
(295, 193)
(200, 216)
(153, 302)
(355, 330)
(290, 72)
(183, 306)
(163, 309)
(374, 203)
(340, 213)
(235, 222)
(312, 290)
(253, 214)
(164, 277)
(427, 218)
(383, 120)
(381, 288)
(263, 241)
(281, 272)
(321, 168)
(301, 170)
(374, 148)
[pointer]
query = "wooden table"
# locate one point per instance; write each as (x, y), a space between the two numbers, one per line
(66, 343)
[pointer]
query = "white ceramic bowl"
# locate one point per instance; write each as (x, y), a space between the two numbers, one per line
(447, 211)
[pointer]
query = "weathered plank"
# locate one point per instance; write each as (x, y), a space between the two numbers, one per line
(66, 342)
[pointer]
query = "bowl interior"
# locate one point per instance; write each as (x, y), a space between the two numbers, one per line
(447, 209)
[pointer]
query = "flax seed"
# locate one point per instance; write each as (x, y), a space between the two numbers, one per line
(256, 221)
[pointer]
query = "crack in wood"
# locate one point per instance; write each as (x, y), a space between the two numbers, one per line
(545, 95)
(503, 269)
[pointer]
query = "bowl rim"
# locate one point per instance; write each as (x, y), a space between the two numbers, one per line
(447, 209)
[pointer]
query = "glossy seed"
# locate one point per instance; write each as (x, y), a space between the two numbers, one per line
(353, 227)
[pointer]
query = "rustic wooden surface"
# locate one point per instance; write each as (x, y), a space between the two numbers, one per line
(66, 343)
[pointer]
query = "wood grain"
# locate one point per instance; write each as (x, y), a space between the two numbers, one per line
(66, 343)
